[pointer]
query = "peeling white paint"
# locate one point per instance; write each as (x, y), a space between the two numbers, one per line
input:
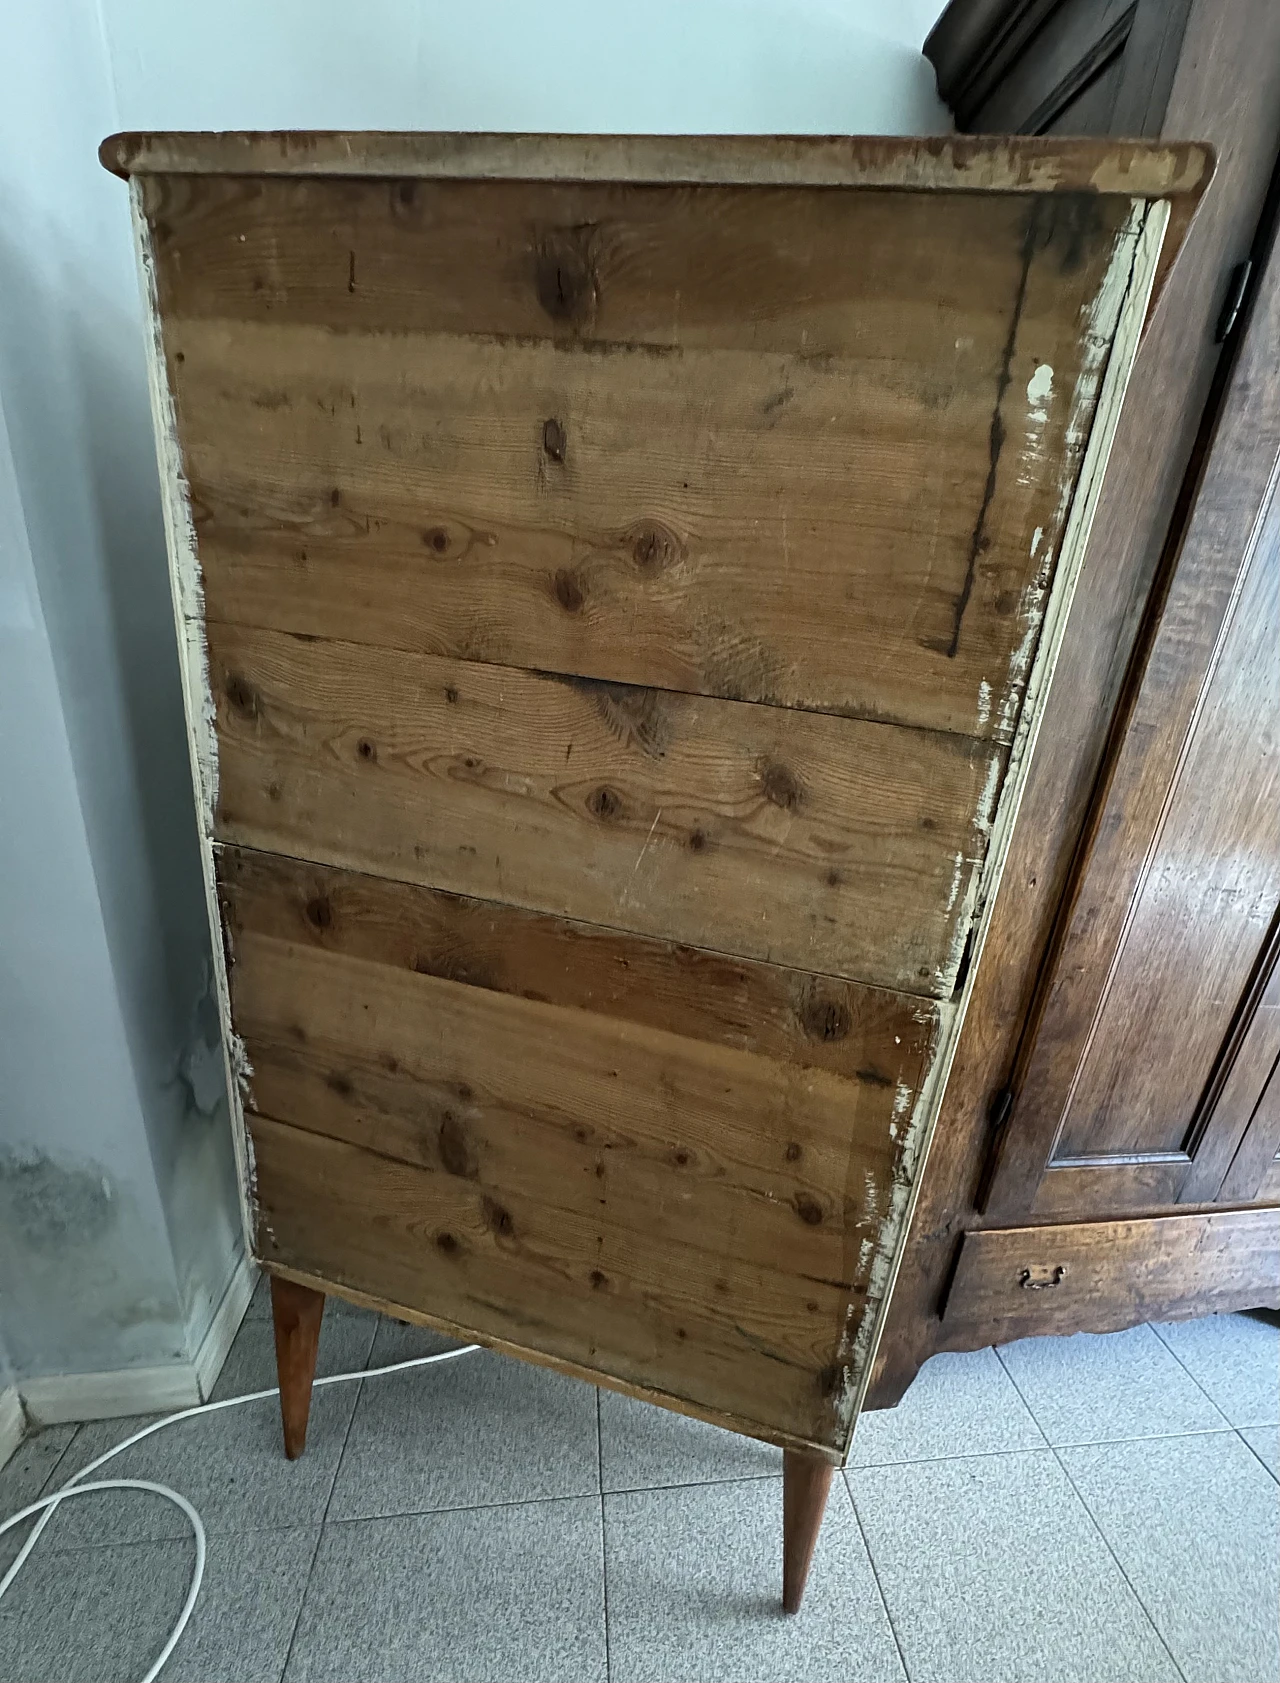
(984, 701)
(197, 693)
(1117, 312)
(1037, 538)
(1040, 392)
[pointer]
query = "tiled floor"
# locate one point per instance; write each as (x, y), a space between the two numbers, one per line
(1083, 1509)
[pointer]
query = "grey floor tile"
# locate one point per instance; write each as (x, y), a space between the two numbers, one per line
(958, 1404)
(1104, 1387)
(468, 1596)
(230, 1464)
(1236, 1359)
(643, 1447)
(89, 1614)
(484, 1428)
(25, 1476)
(1195, 1524)
(993, 1571)
(694, 1579)
(1264, 1441)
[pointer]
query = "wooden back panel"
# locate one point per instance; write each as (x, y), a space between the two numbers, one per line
(614, 584)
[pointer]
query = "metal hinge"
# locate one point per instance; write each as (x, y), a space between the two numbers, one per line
(1237, 287)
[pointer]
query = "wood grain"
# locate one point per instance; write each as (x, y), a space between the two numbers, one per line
(296, 1314)
(879, 1039)
(737, 1339)
(1100, 1276)
(1227, 88)
(828, 844)
(996, 164)
(840, 485)
(673, 1141)
(1183, 877)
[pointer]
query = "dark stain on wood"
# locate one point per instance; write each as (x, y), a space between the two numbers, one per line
(565, 277)
(242, 696)
(569, 591)
(457, 1152)
(980, 541)
(781, 786)
(319, 912)
(554, 442)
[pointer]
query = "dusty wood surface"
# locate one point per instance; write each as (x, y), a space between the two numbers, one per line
(631, 1164)
(868, 1035)
(498, 454)
(1099, 1276)
(593, 576)
(934, 163)
(662, 1316)
(825, 843)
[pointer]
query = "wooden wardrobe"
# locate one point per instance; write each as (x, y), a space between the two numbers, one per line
(1107, 1148)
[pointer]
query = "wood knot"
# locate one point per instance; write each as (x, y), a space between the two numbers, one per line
(498, 1217)
(457, 1153)
(809, 1209)
(554, 442)
(654, 546)
(564, 275)
(436, 538)
(567, 588)
(598, 1279)
(447, 1243)
(780, 785)
(366, 749)
(792, 1153)
(319, 912)
(825, 1019)
(242, 696)
(604, 802)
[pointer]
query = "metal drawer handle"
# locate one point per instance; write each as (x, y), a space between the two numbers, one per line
(1028, 1281)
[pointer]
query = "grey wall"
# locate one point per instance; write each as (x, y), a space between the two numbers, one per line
(118, 1228)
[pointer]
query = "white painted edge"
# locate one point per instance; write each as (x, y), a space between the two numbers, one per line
(197, 695)
(13, 1422)
(225, 1324)
(1116, 318)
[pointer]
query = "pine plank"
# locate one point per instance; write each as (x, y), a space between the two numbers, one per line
(824, 843)
(879, 1039)
(739, 1340)
(792, 457)
(937, 163)
(676, 1141)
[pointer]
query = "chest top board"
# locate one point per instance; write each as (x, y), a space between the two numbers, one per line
(617, 583)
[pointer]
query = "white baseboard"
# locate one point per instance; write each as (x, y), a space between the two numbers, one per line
(13, 1422)
(224, 1326)
(62, 1397)
(59, 1398)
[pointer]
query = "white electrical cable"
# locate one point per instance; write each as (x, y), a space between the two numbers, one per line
(47, 1506)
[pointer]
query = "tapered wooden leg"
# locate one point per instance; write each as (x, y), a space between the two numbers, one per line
(806, 1479)
(296, 1311)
